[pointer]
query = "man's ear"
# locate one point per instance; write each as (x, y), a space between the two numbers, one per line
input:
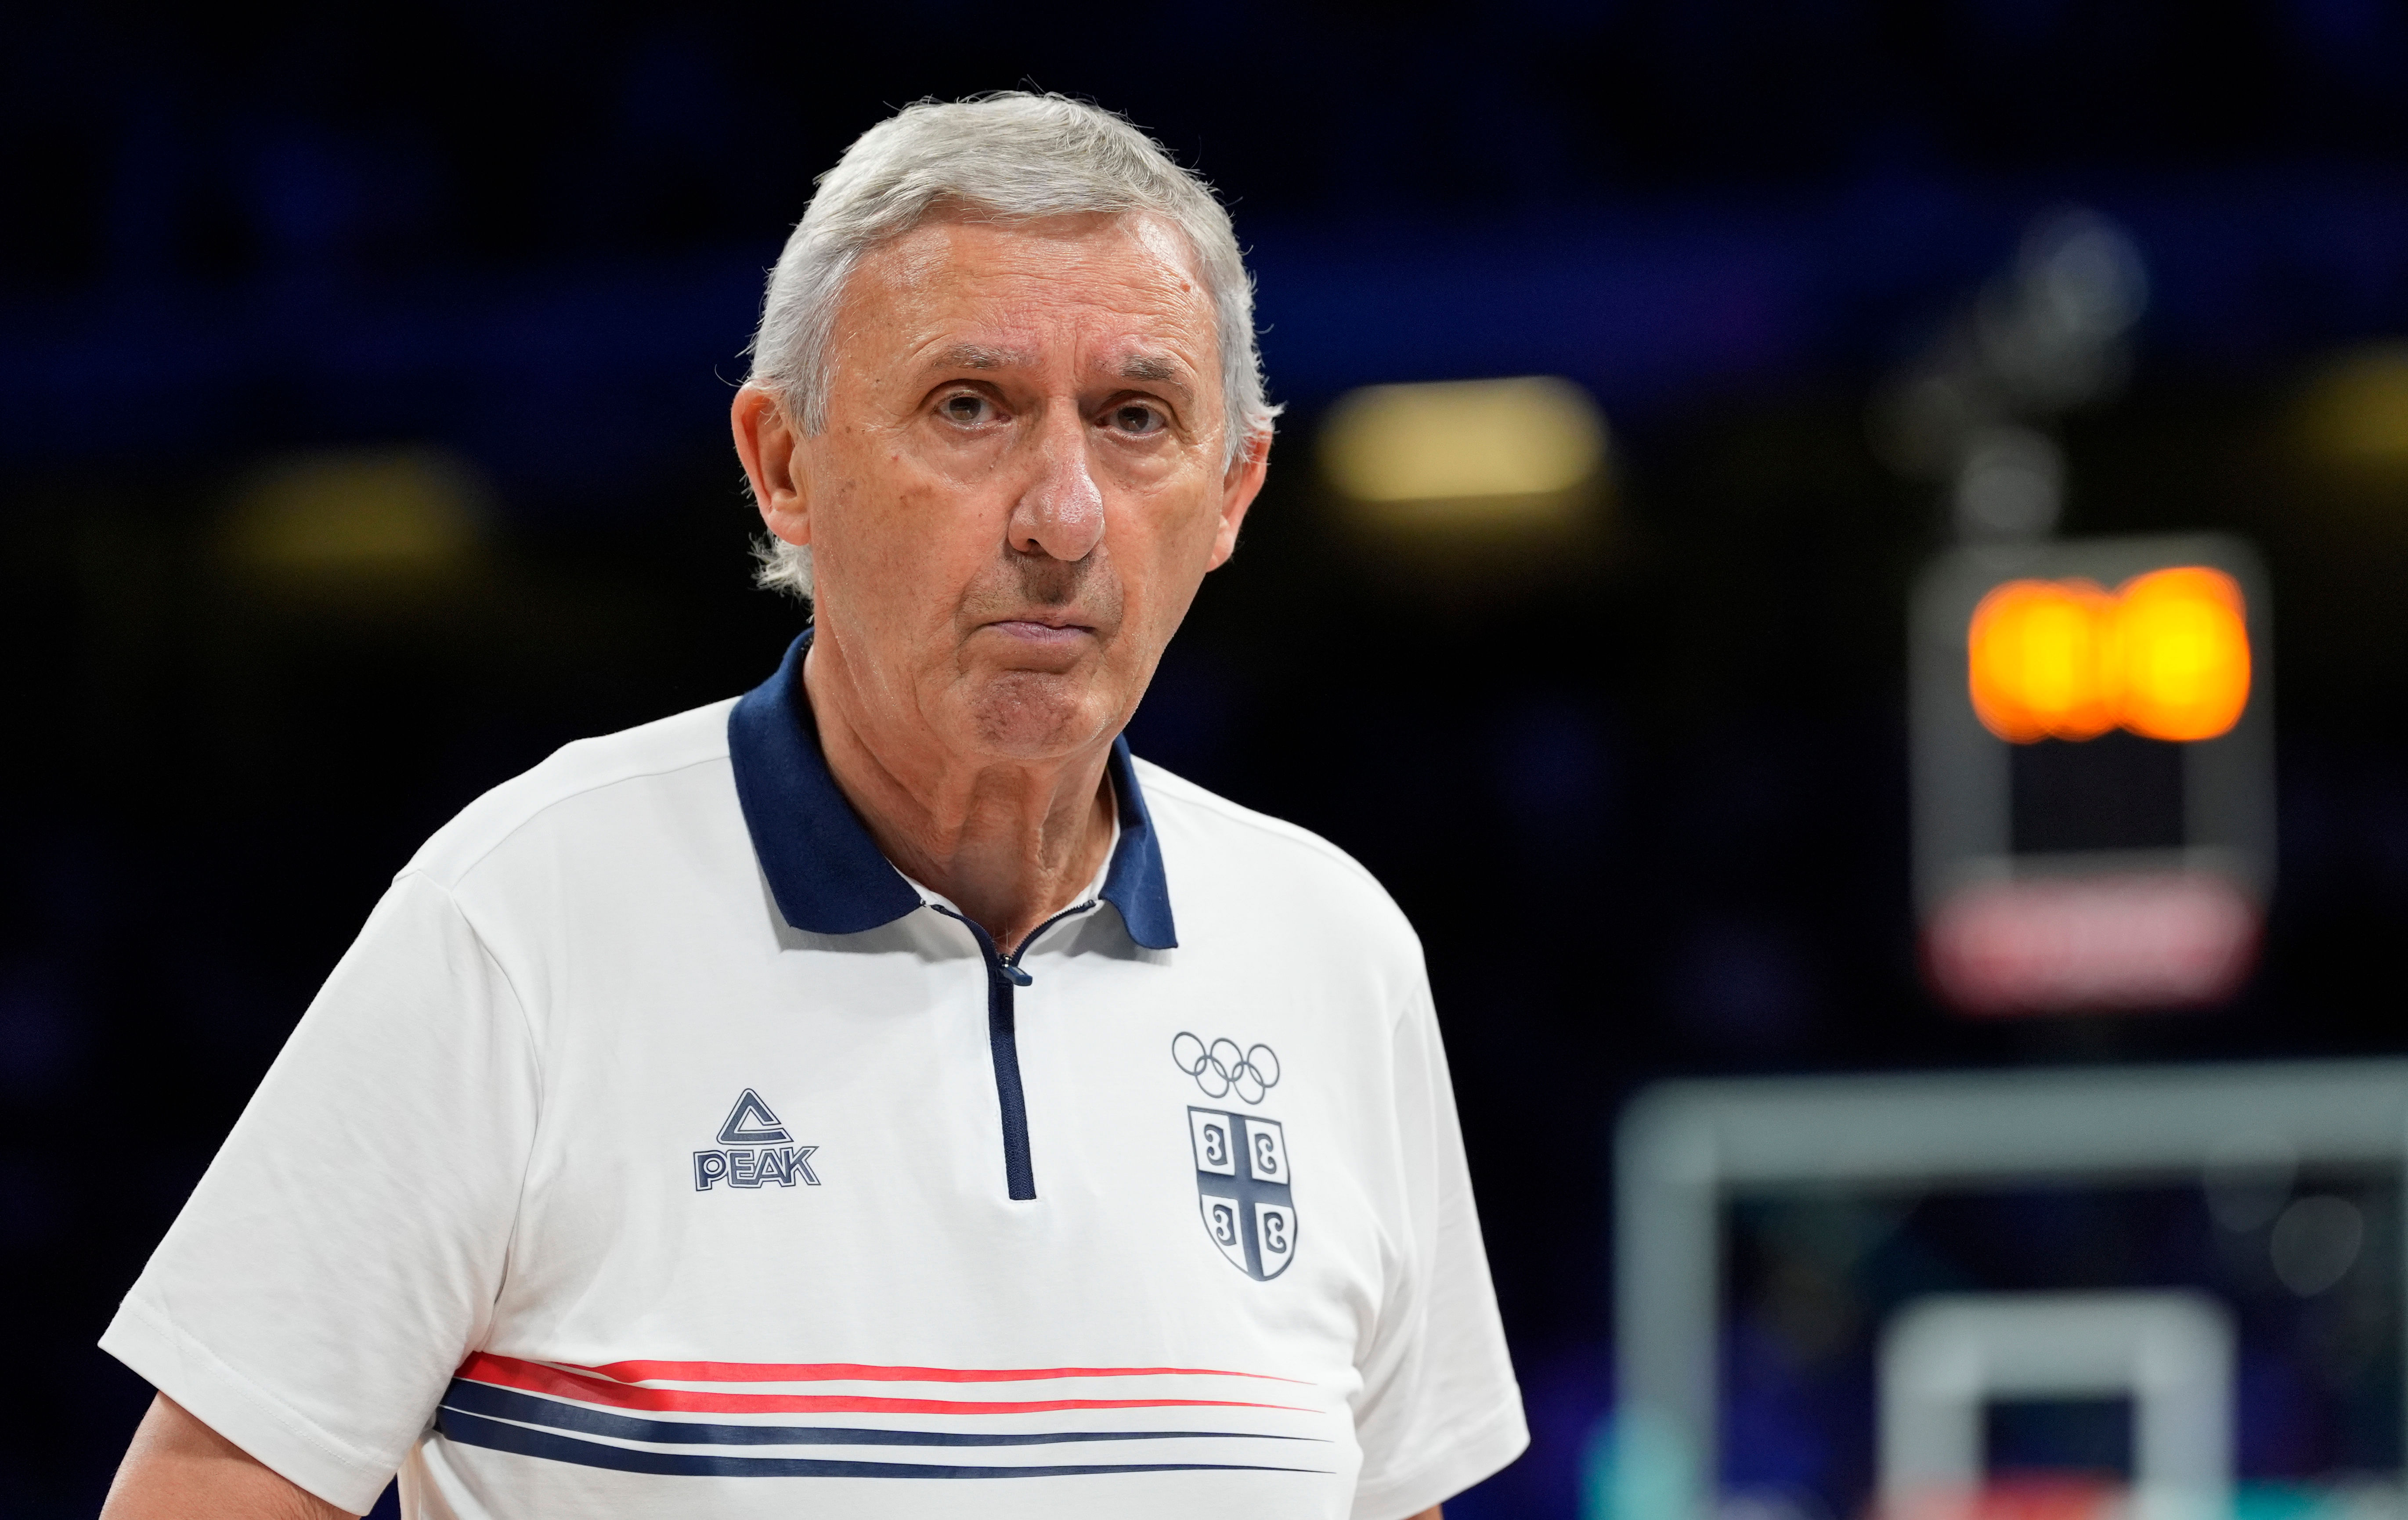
(768, 443)
(1240, 486)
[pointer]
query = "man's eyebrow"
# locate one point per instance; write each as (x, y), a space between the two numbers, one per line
(1157, 367)
(978, 356)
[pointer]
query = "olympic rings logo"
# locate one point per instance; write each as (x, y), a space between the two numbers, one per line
(1221, 1067)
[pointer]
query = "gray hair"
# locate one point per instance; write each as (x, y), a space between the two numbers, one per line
(1011, 156)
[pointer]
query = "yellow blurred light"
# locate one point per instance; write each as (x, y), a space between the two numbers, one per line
(2185, 648)
(1472, 449)
(2167, 657)
(341, 520)
(2356, 413)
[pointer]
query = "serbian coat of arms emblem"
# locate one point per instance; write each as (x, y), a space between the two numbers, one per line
(1242, 1185)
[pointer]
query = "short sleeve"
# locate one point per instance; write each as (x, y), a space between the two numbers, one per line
(344, 1250)
(1439, 1408)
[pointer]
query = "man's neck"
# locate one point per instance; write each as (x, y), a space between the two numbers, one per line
(1010, 842)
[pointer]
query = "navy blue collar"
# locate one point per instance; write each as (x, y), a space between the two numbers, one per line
(823, 868)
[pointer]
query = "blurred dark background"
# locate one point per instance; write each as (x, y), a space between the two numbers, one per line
(1647, 809)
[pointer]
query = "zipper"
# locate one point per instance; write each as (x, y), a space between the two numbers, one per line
(1003, 974)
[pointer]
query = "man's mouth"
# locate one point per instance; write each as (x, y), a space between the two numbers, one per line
(1042, 629)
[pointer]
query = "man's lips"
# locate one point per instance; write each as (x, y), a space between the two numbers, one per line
(1042, 631)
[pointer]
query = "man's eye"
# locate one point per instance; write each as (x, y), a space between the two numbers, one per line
(1136, 420)
(966, 408)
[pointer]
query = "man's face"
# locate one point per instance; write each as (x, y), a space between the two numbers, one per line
(1022, 482)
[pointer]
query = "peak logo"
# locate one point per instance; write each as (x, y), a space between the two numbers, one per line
(754, 1149)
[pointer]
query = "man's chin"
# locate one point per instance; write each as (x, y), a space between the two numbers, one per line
(1026, 715)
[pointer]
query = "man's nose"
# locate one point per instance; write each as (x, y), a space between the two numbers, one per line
(1061, 513)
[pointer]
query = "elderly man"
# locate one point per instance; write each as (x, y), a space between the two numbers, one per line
(881, 1095)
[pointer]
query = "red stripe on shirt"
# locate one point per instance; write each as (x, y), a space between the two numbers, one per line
(645, 1371)
(534, 1377)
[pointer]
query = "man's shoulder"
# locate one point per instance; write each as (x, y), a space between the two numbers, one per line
(607, 771)
(1256, 849)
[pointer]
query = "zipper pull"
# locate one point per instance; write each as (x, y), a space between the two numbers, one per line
(1014, 975)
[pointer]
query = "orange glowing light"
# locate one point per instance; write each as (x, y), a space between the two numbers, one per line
(2185, 654)
(2166, 655)
(2042, 664)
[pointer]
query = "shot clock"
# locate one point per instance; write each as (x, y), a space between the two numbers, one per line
(2092, 770)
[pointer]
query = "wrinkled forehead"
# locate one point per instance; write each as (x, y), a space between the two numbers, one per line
(960, 229)
(960, 279)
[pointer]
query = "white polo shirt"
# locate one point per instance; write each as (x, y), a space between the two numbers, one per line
(659, 1149)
